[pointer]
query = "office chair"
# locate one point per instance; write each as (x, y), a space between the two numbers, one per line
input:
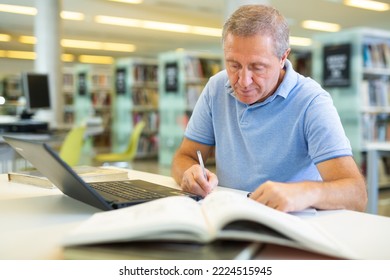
(123, 159)
(71, 148)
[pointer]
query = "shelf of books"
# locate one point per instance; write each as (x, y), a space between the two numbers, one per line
(136, 99)
(301, 59)
(11, 87)
(11, 90)
(354, 66)
(182, 76)
(93, 100)
(68, 94)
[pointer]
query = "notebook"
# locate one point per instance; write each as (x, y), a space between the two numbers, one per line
(103, 195)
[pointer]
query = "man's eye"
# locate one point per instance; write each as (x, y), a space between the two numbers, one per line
(258, 68)
(234, 66)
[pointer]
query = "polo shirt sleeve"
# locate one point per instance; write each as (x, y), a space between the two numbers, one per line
(200, 126)
(324, 131)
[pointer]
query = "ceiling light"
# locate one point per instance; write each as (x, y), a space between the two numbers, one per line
(206, 31)
(66, 57)
(300, 41)
(5, 38)
(118, 47)
(72, 15)
(165, 26)
(368, 5)
(31, 11)
(80, 44)
(83, 44)
(24, 10)
(157, 25)
(31, 55)
(20, 55)
(321, 26)
(128, 1)
(17, 54)
(118, 21)
(95, 45)
(28, 40)
(96, 59)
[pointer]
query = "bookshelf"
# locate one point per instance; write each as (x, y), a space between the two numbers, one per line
(301, 59)
(182, 76)
(361, 91)
(11, 87)
(68, 94)
(93, 100)
(11, 90)
(360, 88)
(136, 99)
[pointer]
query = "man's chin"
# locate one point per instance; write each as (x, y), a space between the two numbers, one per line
(246, 99)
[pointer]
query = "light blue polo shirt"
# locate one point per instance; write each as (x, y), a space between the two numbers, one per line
(279, 139)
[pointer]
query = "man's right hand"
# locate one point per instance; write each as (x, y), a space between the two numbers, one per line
(193, 181)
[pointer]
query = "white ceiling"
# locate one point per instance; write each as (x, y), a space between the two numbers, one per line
(208, 13)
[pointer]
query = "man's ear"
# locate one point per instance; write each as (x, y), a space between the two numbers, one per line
(284, 57)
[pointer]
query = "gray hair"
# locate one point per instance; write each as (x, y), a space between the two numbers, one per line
(250, 20)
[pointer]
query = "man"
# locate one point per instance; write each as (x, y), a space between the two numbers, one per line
(276, 133)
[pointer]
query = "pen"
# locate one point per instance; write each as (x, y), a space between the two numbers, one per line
(201, 163)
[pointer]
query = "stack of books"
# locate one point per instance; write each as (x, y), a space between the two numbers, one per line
(88, 173)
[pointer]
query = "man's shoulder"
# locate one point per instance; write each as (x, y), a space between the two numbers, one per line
(220, 77)
(217, 84)
(309, 86)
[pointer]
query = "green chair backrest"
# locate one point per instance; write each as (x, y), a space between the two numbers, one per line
(134, 139)
(71, 148)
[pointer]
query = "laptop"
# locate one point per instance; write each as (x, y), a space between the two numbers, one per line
(103, 195)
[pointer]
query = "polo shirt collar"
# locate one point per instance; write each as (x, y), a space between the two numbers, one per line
(290, 80)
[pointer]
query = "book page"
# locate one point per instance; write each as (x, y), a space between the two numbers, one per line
(171, 218)
(222, 208)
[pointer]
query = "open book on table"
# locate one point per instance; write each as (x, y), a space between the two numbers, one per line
(220, 216)
(155, 250)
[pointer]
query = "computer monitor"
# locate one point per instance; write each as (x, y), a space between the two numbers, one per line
(36, 91)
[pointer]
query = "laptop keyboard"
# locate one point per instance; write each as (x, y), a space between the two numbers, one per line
(125, 190)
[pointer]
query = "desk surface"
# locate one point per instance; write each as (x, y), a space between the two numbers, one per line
(34, 220)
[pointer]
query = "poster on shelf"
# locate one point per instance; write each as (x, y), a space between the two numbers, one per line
(120, 83)
(171, 77)
(337, 65)
(82, 88)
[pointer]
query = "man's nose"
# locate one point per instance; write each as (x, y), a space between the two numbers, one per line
(245, 77)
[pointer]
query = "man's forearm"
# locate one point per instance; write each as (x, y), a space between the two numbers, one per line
(344, 193)
(180, 164)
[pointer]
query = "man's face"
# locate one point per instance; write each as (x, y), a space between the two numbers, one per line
(253, 69)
